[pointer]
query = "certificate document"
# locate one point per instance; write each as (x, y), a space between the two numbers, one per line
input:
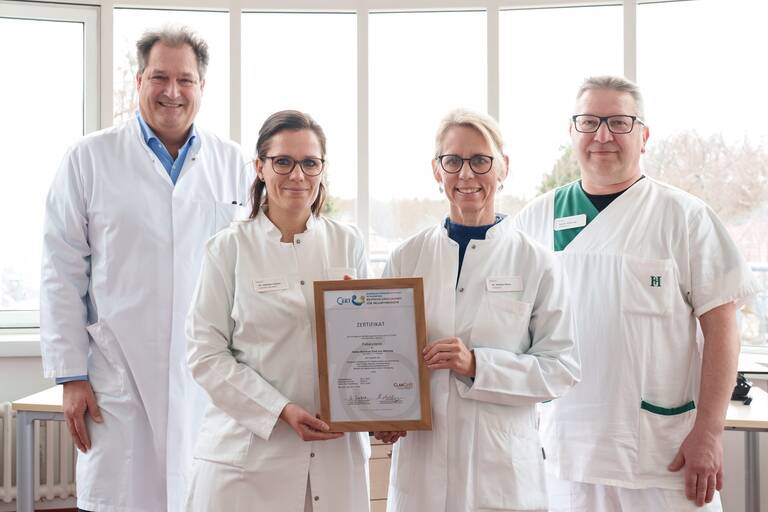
(370, 336)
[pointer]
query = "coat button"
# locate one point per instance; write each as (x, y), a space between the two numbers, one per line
(312, 454)
(317, 498)
(461, 290)
(298, 240)
(474, 246)
(302, 282)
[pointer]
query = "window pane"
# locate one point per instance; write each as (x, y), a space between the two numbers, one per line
(130, 24)
(306, 62)
(706, 109)
(422, 65)
(544, 55)
(41, 121)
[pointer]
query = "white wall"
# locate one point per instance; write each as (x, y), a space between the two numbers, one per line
(21, 376)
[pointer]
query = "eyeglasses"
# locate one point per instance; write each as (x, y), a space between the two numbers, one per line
(452, 164)
(585, 123)
(282, 164)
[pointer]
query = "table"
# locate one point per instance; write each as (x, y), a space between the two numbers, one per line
(753, 363)
(45, 405)
(751, 419)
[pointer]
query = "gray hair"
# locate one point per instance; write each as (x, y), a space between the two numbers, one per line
(175, 37)
(614, 83)
(486, 125)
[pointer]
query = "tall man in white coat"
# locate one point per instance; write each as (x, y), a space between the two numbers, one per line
(645, 262)
(126, 219)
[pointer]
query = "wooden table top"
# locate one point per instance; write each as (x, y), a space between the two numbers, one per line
(754, 415)
(48, 400)
(753, 363)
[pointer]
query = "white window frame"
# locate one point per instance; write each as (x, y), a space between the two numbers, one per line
(99, 85)
(362, 8)
(89, 17)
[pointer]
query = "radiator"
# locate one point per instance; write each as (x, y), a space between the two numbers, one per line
(54, 469)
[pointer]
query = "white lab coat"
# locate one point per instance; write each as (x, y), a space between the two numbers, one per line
(251, 347)
(121, 253)
(483, 452)
(640, 273)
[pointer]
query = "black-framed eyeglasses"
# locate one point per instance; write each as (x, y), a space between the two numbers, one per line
(479, 164)
(587, 123)
(283, 164)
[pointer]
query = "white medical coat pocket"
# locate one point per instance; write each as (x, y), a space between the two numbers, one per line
(106, 372)
(647, 285)
(510, 466)
(502, 322)
(222, 439)
(661, 432)
(261, 308)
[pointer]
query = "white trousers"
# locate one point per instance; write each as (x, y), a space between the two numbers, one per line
(565, 496)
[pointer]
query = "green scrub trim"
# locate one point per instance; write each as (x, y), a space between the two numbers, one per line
(571, 200)
(667, 412)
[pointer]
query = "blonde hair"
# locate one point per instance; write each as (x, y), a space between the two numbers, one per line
(486, 125)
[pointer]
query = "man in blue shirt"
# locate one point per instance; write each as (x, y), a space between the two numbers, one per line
(126, 220)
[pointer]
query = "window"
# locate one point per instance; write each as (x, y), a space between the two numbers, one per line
(129, 24)
(421, 65)
(306, 62)
(703, 102)
(544, 55)
(46, 108)
(708, 118)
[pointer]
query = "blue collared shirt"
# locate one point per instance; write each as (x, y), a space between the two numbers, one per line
(62, 380)
(462, 235)
(173, 167)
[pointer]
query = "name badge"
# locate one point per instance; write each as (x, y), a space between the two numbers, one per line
(270, 285)
(574, 221)
(504, 284)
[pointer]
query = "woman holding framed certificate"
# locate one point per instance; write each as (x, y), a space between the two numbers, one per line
(251, 341)
(499, 340)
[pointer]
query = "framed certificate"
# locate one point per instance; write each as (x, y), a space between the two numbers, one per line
(370, 337)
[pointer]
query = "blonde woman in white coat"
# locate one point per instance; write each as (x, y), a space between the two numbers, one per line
(251, 345)
(500, 340)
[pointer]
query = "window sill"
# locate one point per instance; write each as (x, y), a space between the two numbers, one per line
(20, 344)
(754, 349)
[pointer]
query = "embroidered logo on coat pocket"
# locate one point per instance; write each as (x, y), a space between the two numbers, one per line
(647, 285)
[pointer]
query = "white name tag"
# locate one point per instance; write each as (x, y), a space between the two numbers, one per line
(271, 285)
(574, 221)
(504, 284)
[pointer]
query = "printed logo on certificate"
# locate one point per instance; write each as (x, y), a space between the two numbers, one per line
(370, 337)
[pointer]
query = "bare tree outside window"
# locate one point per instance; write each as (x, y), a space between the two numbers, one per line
(126, 97)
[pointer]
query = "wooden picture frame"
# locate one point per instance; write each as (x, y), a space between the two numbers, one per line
(374, 331)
